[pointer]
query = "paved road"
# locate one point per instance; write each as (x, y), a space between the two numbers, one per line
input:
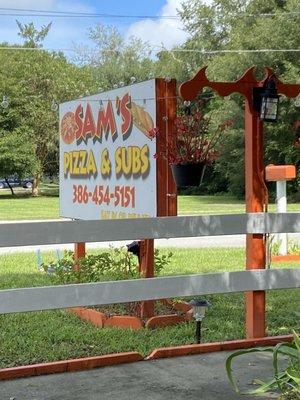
(200, 377)
(216, 241)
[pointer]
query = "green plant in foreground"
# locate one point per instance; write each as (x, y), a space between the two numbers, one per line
(111, 264)
(287, 381)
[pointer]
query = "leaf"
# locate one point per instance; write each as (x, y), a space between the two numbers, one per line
(240, 353)
(294, 375)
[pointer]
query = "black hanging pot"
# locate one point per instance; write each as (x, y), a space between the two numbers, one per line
(187, 174)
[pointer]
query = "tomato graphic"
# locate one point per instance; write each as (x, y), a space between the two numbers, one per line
(68, 128)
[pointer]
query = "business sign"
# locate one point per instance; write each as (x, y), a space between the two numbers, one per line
(107, 148)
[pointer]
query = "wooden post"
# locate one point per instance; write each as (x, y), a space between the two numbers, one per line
(79, 250)
(254, 192)
(166, 188)
(147, 271)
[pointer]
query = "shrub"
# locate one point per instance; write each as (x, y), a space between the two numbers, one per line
(112, 264)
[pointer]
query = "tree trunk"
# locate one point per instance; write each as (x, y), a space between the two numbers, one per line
(10, 187)
(36, 184)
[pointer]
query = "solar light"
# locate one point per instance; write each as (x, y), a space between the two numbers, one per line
(5, 102)
(199, 307)
(54, 105)
(269, 102)
(132, 79)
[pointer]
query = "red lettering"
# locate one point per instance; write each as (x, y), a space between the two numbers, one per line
(126, 115)
(89, 128)
(106, 123)
(78, 120)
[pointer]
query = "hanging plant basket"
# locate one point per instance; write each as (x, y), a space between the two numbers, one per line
(187, 174)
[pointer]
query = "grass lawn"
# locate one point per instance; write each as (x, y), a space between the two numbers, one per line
(54, 335)
(24, 207)
(221, 204)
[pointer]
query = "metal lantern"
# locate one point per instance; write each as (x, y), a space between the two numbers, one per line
(269, 102)
(199, 307)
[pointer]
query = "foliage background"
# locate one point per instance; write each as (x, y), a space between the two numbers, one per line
(34, 80)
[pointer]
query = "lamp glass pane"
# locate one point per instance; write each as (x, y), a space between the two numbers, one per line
(199, 312)
(269, 108)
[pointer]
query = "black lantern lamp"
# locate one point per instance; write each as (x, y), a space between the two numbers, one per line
(199, 307)
(269, 102)
(266, 101)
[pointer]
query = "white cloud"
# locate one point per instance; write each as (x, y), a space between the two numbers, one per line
(64, 31)
(167, 31)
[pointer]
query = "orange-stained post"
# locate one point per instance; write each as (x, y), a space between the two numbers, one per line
(255, 192)
(79, 250)
(166, 188)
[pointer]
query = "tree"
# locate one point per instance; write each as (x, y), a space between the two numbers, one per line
(33, 37)
(34, 82)
(235, 25)
(15, 156)
(114, 60)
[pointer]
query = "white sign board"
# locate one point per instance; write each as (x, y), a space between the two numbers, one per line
(107, 164)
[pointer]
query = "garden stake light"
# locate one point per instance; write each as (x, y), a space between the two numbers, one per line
(5, 102)
(199, 307)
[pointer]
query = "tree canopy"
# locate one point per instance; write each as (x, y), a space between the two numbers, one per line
(35, 81)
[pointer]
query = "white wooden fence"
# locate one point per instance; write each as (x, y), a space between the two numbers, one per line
(63, 296)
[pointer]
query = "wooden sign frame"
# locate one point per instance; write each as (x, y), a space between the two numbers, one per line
(166, 103)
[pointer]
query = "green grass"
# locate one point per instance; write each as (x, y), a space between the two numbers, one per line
(223, 204)
(24, 207)
(54, 335)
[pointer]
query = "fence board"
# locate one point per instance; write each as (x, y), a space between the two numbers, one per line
(54, 297)
(53, 232)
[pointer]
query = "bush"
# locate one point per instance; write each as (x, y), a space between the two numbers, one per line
(112, 264)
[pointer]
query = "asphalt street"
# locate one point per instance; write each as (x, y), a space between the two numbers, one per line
(199, 377)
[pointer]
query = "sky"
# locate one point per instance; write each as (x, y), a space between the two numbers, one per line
(66, 32)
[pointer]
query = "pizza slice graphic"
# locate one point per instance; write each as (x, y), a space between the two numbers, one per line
(68, 128)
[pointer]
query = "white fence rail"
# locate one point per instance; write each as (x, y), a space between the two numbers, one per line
(54, 297)
(64, 296)
(36, 233)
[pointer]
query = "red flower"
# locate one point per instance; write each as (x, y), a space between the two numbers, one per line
(193, 139)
